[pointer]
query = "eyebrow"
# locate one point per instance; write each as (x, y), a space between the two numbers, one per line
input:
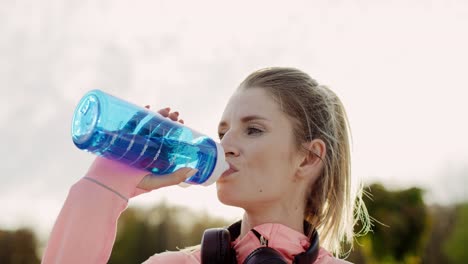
(245, 119)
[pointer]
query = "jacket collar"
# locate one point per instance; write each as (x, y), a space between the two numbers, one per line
(284, 239)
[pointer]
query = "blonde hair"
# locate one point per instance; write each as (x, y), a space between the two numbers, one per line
(317, 113)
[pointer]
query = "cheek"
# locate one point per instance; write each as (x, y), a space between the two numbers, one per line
(260, 161)
(269, 165)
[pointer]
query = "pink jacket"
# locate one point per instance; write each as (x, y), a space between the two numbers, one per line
(85, 229)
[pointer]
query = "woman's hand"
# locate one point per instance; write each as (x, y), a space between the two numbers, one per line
(151, 182)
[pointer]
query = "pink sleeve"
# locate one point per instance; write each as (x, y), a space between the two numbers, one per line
(325, 257)
(85, 229)
(176, 257)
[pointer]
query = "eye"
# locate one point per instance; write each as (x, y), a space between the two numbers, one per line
(253, 131)
(222, 131)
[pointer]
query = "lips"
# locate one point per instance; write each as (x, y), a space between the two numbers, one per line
(229, 171)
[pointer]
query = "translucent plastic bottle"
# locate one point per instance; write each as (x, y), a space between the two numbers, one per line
(113, 128)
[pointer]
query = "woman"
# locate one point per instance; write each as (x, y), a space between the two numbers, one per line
(286, 140)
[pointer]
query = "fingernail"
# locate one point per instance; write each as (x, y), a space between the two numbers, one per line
(176, 113)
(190, 173)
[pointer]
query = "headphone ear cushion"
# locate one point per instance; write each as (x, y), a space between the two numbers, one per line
(265, 255)
(216, 246)
(312, 252)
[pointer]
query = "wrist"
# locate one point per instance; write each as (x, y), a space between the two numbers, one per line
(117, 176)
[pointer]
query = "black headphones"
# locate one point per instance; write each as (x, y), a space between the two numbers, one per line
(216, 248)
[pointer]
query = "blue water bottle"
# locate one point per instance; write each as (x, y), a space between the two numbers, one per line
(113, 128)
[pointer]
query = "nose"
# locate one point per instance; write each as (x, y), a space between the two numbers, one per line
(230, 145)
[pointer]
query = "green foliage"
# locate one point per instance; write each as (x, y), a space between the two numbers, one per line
(442, 222)
(401, 225)
(143, 233)
(405, 231)
(18, 247)
(455, 246)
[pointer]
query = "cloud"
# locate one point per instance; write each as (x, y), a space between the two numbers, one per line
(398, 67)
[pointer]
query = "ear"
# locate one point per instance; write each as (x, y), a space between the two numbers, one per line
(312, 162)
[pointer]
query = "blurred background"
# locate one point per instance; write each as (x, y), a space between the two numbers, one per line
(400, 67)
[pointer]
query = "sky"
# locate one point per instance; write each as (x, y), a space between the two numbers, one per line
(400, 68)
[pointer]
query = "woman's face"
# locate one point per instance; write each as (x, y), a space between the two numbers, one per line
(258, 141)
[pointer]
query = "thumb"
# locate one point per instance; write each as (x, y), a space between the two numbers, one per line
(153, 182)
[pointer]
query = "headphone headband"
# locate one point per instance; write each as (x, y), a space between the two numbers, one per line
(216, 245)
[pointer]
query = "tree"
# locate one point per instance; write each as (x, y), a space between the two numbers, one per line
(442, 222)
(18, 247)
(401, 225)
(143, 233)
(455, 245)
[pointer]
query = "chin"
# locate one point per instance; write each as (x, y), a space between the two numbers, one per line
(228, 195)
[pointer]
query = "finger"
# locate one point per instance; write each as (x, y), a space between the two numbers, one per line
(174, 116)
(152, 182)
(181, 121)
(147, 106)
(165, 111)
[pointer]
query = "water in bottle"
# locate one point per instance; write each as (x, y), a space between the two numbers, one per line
(113, 128)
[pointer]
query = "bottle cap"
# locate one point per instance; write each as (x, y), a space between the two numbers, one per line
(220, 167)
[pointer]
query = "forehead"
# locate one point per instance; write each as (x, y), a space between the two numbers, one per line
(253, 101)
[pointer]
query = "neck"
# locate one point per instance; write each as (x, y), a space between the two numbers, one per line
(292, 217)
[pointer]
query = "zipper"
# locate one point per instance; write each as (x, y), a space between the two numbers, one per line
(263, 240)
